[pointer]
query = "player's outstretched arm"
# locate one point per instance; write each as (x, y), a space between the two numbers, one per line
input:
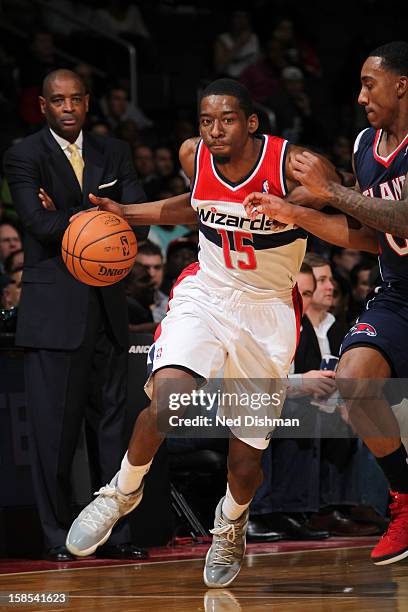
(331, 228)
(170, 211)
(389, 216)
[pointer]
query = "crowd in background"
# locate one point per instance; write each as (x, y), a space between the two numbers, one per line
(302, 74)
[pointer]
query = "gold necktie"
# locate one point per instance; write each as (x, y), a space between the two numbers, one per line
(76, 162)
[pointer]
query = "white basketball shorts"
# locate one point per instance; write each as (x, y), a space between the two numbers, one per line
(244, 335)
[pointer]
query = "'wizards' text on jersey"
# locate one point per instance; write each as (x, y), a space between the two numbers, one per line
(235, 251)
(384, 177)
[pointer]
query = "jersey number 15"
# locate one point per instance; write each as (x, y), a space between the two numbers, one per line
(248, 260)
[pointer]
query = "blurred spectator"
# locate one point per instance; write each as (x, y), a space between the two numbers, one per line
(164, 162)
(180, 253)
(177, 185)
(150, 256)
(116, 108)
(299, 52)
(360, 287)
(36, 65)
(128, 131)
(120, 17)
(163, 235)
(344, 260)
(263, 77)
(236, 49)
(139, 289)
(14, 261)
(58, 24)
(12, 289)
(10, 241)
(100, 128)
(341, 299)
(145, 169)
(341, 153)
(293, 108)
(183, 129)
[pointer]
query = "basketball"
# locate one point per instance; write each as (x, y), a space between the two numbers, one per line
(99, 248)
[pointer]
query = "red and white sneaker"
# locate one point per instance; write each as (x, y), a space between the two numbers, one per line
(393, 545)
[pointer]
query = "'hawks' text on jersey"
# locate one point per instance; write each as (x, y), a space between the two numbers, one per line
(235, 251)
(384, 177)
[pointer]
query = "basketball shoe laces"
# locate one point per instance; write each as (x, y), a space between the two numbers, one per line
(103, 509)
(225, 542)
(399, 519)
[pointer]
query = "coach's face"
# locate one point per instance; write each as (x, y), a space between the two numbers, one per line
(224, 127)
(381, 90)
(64, 106)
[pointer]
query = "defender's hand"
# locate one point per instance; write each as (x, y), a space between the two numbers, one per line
(314, 173)
(273, 207)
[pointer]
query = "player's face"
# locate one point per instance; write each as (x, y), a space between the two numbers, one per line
(379, 93)
(306, 285)
(65, 105)
(323, 294)
(224, 127)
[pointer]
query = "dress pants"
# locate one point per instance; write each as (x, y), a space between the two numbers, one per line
(63, 388)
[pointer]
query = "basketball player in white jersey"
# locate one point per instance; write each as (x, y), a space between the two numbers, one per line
(236, 309)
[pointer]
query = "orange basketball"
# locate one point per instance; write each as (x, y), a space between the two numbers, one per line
(99, 248)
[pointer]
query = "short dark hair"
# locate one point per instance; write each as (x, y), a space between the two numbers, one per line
(356, 271)
(230, 87)
(61, 72)
(394, 56)
(306, 269)
(315, 261)
(147, 247)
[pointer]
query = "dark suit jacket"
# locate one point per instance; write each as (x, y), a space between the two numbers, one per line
(53, 306)
(308, 356)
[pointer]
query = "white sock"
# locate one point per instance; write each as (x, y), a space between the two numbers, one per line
(131, 476)
(230, 509)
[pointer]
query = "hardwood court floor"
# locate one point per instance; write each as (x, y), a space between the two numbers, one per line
(303, 581)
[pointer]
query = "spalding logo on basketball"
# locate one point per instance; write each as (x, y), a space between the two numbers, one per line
(99, 248)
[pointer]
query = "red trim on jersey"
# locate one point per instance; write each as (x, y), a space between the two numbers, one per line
(298, 308)
(190, 270)
(386, 161)
(209, 186)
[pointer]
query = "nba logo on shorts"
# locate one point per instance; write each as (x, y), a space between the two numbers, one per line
(265, 187)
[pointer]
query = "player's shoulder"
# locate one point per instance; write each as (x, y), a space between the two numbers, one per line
(365, 138)
(189, 147)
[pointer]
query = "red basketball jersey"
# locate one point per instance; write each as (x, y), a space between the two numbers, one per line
(235, 251)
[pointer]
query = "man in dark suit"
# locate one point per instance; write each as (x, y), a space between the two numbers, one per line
(76, 336)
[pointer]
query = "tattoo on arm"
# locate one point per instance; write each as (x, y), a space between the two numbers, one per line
(389, 216)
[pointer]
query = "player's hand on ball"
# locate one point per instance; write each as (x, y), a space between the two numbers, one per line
(273, 207)
(101, 204)
(46, 201)
(107, 205)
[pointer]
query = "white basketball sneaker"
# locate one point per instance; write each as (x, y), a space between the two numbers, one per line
(94, 524)
(224, 558)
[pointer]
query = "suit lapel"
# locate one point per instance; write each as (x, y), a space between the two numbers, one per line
(93, 170)
(60, 165)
